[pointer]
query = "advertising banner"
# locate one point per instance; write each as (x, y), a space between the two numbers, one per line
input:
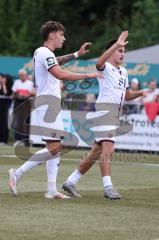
(144, 136)
(142, 71)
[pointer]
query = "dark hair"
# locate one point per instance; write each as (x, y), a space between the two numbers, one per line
(152, 80)
(49, 27)
(111, 43)
(9, 83)
(8, 77)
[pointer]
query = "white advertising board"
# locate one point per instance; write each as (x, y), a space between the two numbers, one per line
(144, 136)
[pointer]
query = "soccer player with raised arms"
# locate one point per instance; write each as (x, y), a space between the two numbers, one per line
(48, 74)
(113, 90)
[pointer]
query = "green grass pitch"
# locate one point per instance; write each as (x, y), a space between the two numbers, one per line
(135, 217)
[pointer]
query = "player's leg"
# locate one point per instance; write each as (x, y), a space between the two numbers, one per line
(50, 154)
(51, 133)
(84, 165)
(15, 174)
(91, 157)
(52, 166)
(105, 167)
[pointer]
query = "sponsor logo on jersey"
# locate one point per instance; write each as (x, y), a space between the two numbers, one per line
(121, 81)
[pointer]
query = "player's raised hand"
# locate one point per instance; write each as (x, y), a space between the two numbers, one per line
(84, 48)
(122, 39)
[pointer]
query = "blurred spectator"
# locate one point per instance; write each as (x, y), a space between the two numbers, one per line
(89, 103)
(5, 102)
(134, 106)
(152, 91)
(151, 101)
(22, 90)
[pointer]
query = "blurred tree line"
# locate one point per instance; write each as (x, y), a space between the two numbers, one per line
(85, 20)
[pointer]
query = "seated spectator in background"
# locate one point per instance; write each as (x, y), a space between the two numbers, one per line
(5, 102)
(89, 103)
(22, 90)
(151, 101)
(134, 106)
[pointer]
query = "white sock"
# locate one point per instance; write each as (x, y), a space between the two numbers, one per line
(74, 177)
(52, 166)
(34, 161)
(107, 181)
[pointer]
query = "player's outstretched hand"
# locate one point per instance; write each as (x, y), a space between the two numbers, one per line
(95, 75)
(84, 48)
(121, 40)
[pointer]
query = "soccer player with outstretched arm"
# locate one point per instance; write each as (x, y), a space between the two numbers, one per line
(48, 74)
(113, 90)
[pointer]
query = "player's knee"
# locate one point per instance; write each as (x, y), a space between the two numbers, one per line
(108, 149)
(54, 152)
(54, 148)
(106, 154)
(96, 152)
(109, 152)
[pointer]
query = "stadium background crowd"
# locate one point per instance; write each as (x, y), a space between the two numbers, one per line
(16, 92)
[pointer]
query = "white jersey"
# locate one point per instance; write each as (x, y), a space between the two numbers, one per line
(45, 82)
(112, 88)
(48, 116)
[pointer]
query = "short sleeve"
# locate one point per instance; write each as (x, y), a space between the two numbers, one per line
(14, 87)
(50, 60)
(101, 69)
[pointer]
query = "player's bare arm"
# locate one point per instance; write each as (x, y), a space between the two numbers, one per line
(121, 42)
(130, 95)
(67, 58)
(61, 74)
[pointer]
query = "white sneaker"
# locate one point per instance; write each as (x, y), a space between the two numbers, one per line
(13, 181)
(111, 192)
(71, 189)
(56, 195)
